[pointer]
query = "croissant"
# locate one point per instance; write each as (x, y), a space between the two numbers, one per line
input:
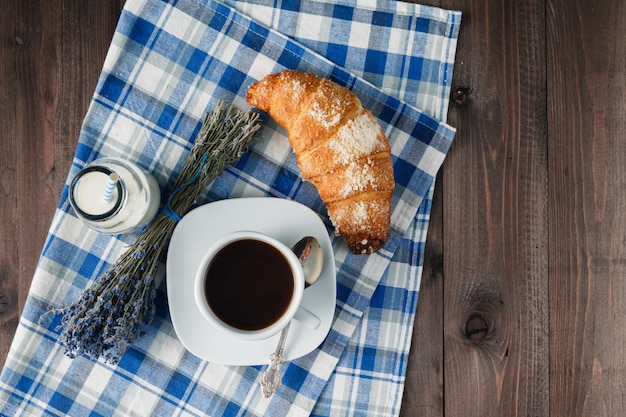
(340, 147)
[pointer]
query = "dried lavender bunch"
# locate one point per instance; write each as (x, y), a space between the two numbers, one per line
(110, 314)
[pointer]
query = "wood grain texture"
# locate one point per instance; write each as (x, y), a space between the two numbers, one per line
(495, 350)
(495, 226)
(9, 265)
(51, 56)
(587, 158)
(27, 155)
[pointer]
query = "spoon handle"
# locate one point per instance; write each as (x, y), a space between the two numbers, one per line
(270, 379)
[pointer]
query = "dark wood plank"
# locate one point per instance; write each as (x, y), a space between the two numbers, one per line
(587, 209)
(52, 61)
(9, 266)
(26, 159)
(38, 53)
(495, 349)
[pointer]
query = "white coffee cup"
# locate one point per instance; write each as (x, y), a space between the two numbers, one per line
(249, 285)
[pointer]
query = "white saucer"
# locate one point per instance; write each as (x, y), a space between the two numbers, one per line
(285, 220)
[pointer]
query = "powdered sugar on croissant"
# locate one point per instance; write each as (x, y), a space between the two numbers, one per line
(340, 147)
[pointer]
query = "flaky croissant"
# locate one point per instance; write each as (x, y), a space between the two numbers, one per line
(340, 147)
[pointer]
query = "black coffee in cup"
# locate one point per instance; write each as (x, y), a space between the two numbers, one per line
(249, 284)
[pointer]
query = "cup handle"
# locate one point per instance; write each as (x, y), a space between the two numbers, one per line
(307, 318)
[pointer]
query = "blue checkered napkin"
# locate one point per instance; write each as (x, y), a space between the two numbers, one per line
(405, 49)
(168, 64)
(370, 373)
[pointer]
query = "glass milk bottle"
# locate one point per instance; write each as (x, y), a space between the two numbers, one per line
(114, 196)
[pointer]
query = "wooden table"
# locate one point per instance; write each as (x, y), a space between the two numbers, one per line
(523, 302)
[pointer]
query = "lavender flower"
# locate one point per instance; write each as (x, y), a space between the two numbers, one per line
(108, 316)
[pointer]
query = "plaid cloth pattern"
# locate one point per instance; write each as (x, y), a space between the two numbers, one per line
(168, 64)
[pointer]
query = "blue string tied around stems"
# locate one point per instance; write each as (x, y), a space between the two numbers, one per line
(168, 210)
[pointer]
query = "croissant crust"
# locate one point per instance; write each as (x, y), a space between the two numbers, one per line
(340, 147)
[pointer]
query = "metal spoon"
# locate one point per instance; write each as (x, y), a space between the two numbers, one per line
(309, 251)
